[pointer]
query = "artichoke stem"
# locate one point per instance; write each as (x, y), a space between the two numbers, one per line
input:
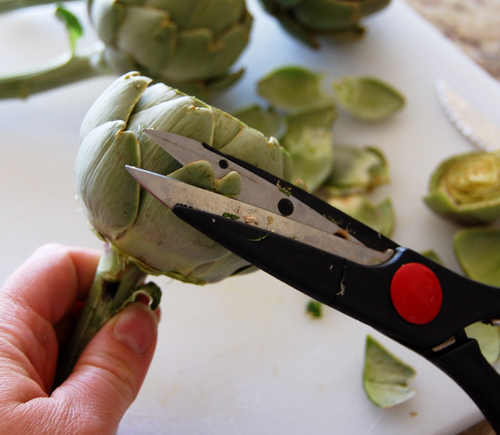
(80, 66)
(11, 5)
(115, 283)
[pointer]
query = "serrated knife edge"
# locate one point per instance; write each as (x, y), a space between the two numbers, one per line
(474, 126)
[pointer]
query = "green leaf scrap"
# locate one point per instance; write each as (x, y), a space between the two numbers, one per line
(386, 377)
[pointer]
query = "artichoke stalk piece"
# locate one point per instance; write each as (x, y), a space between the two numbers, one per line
(141, 235)
(188, 44)
(307, 20)
(466, 188)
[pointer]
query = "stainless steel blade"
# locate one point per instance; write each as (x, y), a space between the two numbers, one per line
(254, 190)
(479, 130)
(173, 192)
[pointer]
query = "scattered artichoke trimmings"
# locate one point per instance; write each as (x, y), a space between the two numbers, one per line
(301, 115)
(466, 188)
(386, 377)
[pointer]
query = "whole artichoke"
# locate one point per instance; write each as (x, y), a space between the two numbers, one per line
(335, 19)
(138, 227)
(466, 188)
(188, 44)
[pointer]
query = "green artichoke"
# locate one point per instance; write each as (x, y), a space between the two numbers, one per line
(188, 44)
(132, 221)
(466, 188)
(335, 19)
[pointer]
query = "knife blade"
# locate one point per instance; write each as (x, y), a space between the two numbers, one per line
(472, 124)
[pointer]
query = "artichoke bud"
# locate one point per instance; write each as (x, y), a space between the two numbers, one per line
(189, 44)
(466, 188)
(338, 20)
(129, 219)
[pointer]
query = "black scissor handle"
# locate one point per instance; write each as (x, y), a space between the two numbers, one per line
(465, 364)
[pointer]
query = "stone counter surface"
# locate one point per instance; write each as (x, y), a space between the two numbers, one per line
(474, 25)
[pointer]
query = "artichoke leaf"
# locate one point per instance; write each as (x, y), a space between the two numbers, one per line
(386, 377)
(268, 121)
(116, 102)
(367, 98)
(357, 170)
(292, 87)
(477, 251)
(488, 338)
(108, 186)
(379, 217)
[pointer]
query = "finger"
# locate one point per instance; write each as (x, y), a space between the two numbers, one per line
(112, 368)
(51, 280)
(37, 295)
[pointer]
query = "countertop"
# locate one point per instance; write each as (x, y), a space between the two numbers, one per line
(474, 26)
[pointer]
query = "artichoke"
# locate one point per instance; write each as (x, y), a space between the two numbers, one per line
(133, 222)
(188, 44)
(141, 235)
(335, 19)
(466, 188)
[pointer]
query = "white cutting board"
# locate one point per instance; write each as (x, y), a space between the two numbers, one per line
(241, 357)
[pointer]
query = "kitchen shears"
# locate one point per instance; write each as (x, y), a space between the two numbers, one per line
(340, 262)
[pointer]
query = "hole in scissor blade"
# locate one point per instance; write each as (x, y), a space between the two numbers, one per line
(285, 206)
(223, 164)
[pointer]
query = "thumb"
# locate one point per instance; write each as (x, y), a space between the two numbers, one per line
(109, 373)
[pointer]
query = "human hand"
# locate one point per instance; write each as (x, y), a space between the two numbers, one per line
(36, 305)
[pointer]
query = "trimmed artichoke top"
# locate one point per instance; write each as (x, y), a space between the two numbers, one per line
(189, 44)
(132, 221)
(466, 188)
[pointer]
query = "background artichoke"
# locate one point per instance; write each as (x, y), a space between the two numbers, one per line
(188, 44)
(335, 19)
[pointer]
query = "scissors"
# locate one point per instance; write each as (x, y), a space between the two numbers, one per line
(340, 262)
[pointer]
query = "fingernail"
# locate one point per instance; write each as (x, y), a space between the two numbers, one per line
(136, 327)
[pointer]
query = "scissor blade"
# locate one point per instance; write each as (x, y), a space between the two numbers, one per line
(479, 130)
(186, 150)
(173, 192)
(254, 189)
